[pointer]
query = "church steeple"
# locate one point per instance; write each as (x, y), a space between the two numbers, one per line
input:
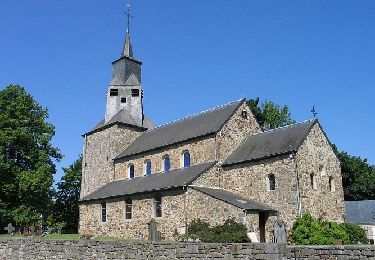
(124, 94)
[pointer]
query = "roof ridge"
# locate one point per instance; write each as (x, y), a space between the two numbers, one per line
(286, 126)
(196, 114)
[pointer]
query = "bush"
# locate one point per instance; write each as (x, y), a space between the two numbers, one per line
(229, 232)
(310, 231)
(355, 232)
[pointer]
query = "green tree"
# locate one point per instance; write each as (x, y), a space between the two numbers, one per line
(26, 157)
(66, 206)
(358, 177)
(270, 115)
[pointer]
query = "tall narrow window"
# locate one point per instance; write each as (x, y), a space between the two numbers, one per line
(167, 163)
(313, 181)
(128, 208)
(186, 159)
(131, 171)
(158, 207)
(272, 182)
(104, 212)
(148, 168)
(331, 184)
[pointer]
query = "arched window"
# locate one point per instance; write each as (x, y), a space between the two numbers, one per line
(272, 182)
(131, 171)
(147, 167)
(186, 159)
(331, 184)
(166, 163)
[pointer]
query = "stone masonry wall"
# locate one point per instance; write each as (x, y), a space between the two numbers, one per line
(251, 180)
(178, 209)
(316, 157)
(92, 249)
(235, 131)
(99, 150)
(201, 151)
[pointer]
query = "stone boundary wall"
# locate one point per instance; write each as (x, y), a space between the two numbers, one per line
(29, 248)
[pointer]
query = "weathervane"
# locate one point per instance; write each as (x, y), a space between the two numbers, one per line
(128, 14)
(313, 111)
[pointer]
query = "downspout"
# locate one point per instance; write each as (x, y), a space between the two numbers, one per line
(185, 208)
(298, 193)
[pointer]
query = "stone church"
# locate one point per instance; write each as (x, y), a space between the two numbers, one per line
(214, 165)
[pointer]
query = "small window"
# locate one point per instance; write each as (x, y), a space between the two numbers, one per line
(135, 92)
(113, 92)
(186, 159)
(104, 212)
(131, 171)
(158, 207)
(272, 182)
(123, 100)
(128, 208)
(331, 184)
(244, 114)
(167, 164)
(148, 168)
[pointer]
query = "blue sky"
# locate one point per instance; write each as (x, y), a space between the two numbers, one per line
(196, 55)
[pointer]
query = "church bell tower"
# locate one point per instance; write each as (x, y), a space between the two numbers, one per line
(124, 94)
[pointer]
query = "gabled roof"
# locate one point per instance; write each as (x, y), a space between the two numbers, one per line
(360, 212)
(123, 117)
(233, 199)
(202, 124)
(155, 182)
(271, 143)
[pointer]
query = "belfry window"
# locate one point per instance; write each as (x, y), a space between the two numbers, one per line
(166, 163)
(135, 92)
(131, 171)
(186, 159)
(104, 212)
(113, 92)
(148, 168)
(271, 182)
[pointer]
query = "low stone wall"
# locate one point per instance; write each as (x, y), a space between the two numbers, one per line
(90, 249)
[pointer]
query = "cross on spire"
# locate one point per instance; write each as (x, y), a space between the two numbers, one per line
(127, 50)
(313, 111)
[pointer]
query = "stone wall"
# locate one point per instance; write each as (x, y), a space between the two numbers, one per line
(98, 151)
(316, 157)
(91, 249)
(201, 150)
(238, 127)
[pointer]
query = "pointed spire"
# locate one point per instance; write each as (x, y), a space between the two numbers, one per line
(127, 50)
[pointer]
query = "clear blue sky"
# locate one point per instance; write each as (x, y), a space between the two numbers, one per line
(196, 55)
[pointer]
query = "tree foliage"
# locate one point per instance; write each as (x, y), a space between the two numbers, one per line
(358, 177)
(66, 208)
(26, 157)
(270, 115)
(311, 231)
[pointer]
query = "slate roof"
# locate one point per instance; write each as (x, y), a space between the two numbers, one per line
(155, 182)
(123, 117)
(202, 124)
(271, 143)
(360, 212)
(233, 199)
